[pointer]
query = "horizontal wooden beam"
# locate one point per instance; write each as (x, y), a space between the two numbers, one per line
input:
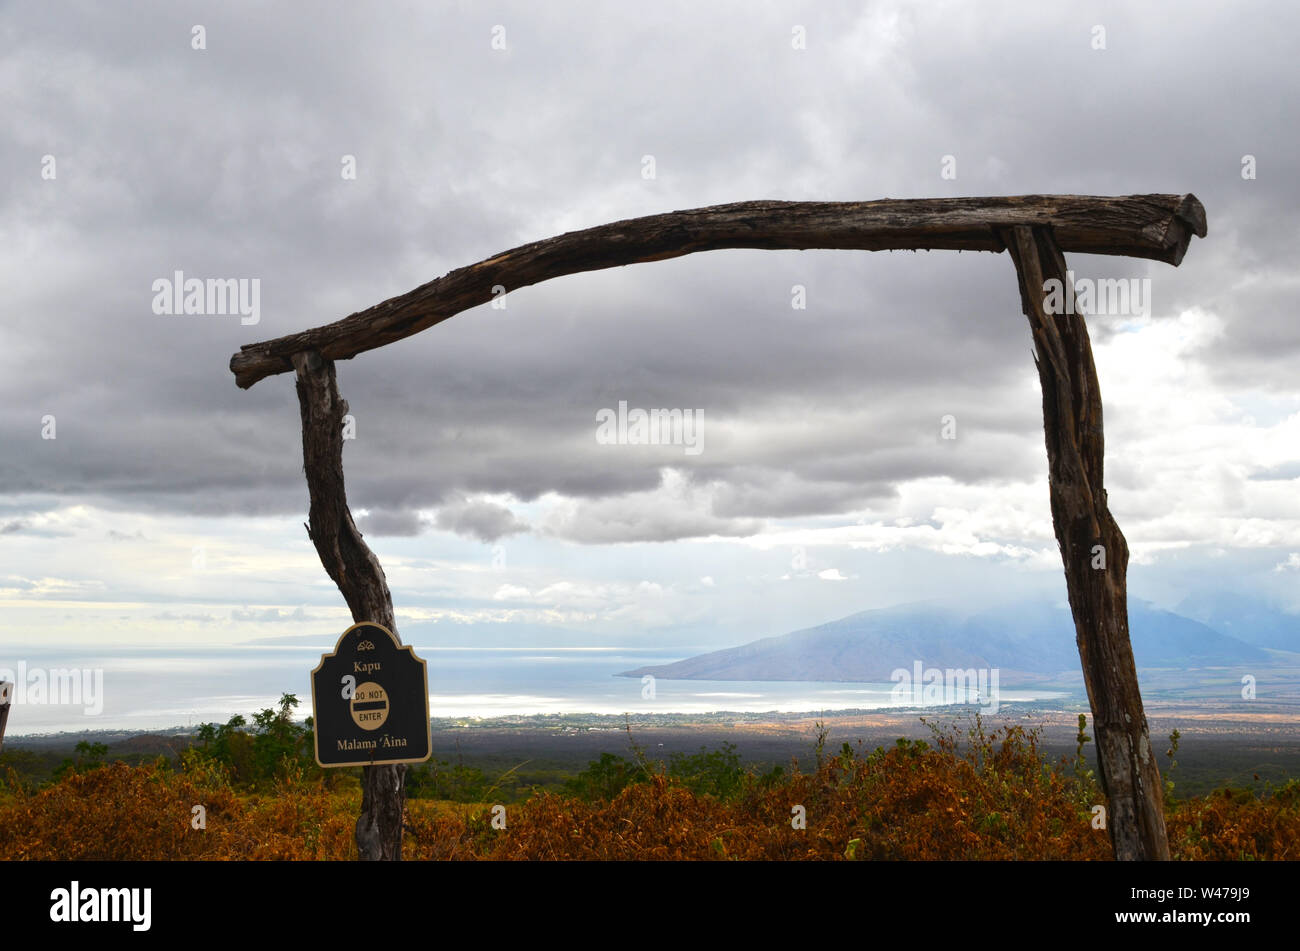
(1158, 227)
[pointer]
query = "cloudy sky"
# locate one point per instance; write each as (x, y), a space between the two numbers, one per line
(168, 506)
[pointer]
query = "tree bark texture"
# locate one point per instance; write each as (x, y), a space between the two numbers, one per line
(354, 568)
(1093, 550)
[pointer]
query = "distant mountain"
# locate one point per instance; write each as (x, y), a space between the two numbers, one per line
(1246, 619)
(1025, 641)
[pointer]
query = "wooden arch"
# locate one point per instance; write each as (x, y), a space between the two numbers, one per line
(1034, 229)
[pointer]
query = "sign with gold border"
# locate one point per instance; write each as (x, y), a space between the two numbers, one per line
(370, 701)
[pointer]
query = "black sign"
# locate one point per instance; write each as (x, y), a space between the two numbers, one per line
(370, 700)
(6, 692)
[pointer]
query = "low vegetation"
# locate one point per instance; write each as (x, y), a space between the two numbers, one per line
(253, 791)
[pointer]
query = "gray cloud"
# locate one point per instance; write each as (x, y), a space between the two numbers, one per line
(384, 522)
(117, 536)
(485, 521)
(781, 495)
(226, 162)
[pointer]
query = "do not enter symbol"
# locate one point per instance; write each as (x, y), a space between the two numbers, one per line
(369, 706)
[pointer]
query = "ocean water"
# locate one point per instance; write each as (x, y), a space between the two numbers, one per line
(146, 689)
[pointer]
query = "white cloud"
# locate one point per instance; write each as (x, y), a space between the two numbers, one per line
(1292, 563)
(511, 592)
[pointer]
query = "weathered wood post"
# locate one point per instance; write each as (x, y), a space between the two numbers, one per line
(1092, 548)
(354, 568)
